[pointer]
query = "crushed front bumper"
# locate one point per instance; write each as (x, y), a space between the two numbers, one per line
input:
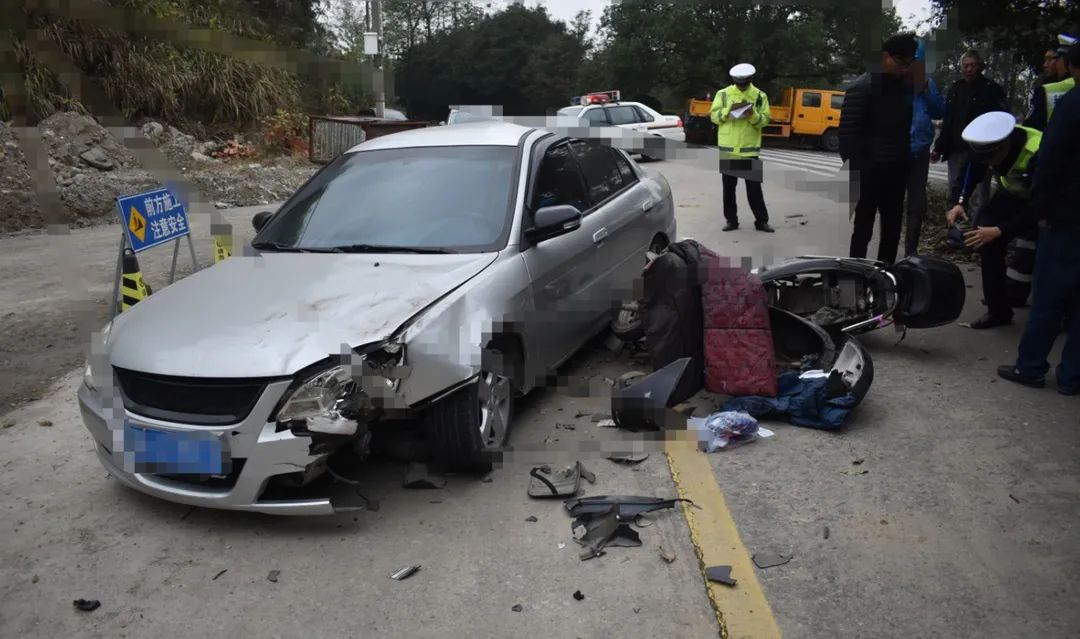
(259, 452)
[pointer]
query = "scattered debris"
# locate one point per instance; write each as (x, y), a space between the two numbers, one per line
(86, 605)
(794, 215)
(7, 423)
(826, 533)
(770, 559)
(646, 404)
(606, 423)
(666, 555)
(884, 522)
(418, 477)
(1013, 497)
(486, 479)
(642, 521)
(629, 458)
(404, 573)
(46, 423)
(435, 501)
(626, 508)
(561, 545)
(274, 574)
(220, 574)
(720, 574)
(564, 483)
(516, 608)
(854, 471)
(578, 595)
(34, 580)
(596, 533)
(566, 426)
(599, 417)
(637, 610)
(532, 519)
(857, 461)
(579, 415)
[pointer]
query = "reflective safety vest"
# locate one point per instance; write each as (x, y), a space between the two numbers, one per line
(1012, 180)
(741, 137)
(1054, 92)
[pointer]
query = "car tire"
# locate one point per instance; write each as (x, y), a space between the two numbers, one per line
(830, 141)
(468, 428)
(628, 325)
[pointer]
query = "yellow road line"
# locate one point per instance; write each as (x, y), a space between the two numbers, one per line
(742, 611)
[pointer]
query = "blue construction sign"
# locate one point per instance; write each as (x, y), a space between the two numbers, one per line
(152, 218)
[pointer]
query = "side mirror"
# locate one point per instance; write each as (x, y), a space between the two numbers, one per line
(553, 221)
(260, 220)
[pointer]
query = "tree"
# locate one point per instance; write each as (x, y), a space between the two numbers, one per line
(408, 23)
(518, 58)
(685, 48)
(1022, 27)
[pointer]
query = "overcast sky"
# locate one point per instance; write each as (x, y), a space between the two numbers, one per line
(567, 9)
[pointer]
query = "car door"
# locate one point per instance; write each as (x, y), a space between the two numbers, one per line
(621, 207)
(563, 270)
(625, 116)
(811, 118)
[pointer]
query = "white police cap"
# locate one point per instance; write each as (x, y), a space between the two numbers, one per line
(989, 129)
(742, 71)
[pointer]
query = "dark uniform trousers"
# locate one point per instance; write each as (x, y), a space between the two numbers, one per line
(1056, 294)
(992, 257)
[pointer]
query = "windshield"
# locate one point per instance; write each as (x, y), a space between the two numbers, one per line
(571, 110)
(456, 199)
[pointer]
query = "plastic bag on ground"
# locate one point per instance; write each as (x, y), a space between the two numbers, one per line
(722, 431)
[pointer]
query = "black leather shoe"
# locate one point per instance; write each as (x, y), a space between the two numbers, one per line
(989, 321)
(1009, 373)
(765, 228)
(731, 226)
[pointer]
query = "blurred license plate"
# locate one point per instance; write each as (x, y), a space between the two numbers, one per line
(176, 452)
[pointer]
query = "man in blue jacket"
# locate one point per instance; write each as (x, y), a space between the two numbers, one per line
(928, 106)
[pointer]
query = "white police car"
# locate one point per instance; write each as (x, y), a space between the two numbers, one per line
(607, 109)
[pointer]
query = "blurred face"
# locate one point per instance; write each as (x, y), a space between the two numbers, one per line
(895, 64)
(970, 68)
(1052, 65)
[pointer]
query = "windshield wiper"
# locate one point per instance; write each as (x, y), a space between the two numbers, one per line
(381, 248)
(285, 248)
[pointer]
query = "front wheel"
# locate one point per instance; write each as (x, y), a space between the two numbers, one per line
(469, 427)
(830, 141)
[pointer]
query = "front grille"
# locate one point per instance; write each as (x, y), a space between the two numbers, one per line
(189, 400)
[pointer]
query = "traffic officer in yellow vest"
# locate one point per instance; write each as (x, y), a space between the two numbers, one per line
(1011, 151)
(1045, 98)
(739, 112)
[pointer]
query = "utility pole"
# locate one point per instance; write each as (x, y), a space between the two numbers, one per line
(379, 82)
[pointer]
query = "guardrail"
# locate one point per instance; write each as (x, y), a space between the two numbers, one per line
(331, 136)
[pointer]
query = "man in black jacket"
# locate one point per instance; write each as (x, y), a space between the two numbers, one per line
(968, 98)
(1055, 198)
(875, 130)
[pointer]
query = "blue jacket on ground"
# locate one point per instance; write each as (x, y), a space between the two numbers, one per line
(929, 106)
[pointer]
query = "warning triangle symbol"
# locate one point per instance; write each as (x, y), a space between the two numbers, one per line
(137, 224)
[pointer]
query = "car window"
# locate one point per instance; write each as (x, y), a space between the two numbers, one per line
(625, 170)
(811, 99)
(570, 110)
(837, 101)
(559, 181)
(623, 114)
(596, 115)
(643, 115)
(371, 197)
(602, 176)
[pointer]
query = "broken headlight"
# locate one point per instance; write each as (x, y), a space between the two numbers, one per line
(96, 357)
(329, 402)
(334, 399)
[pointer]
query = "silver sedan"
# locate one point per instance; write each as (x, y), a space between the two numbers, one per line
(432, 275)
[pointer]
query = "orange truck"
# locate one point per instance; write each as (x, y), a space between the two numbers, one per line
(806, 115)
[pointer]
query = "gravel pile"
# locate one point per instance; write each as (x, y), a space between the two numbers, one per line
(90, 169)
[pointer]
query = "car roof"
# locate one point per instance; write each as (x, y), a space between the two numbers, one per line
(481, 133)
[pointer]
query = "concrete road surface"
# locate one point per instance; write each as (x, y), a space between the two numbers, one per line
(964, 524)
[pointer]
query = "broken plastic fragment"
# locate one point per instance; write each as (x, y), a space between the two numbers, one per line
(668, 556)
(404, 573)
(629, 458)
(720, 574)
(86, 605)
(273, 576)
(769, 559)
(625, 507)
(418, 477)
(578, 595)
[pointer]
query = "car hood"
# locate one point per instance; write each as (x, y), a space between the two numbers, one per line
(273, 314)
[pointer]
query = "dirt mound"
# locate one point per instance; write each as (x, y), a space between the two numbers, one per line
(90, 169)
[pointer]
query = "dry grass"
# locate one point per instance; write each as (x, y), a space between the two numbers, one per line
(189, 88)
